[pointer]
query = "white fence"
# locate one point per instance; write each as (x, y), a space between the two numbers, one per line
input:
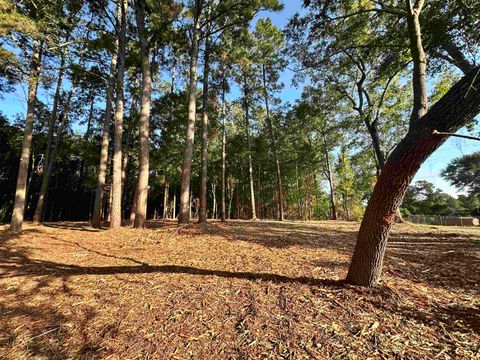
(443, 220)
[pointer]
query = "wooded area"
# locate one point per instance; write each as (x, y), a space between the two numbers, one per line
(178, 119)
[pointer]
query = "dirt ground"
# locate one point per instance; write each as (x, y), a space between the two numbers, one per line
(241, 290)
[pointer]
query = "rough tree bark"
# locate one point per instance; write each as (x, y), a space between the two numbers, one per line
(184, 213)
(20, 191)
(37, 217)
(224, 153)
(202, 216)
(246, 94)
(102, 169)
(142, 183)
(128, 135)
(116, 211)
(274, 148)
(455, 109)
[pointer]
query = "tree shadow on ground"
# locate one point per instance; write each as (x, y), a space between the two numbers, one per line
(15, 264)
(71, 225)
(446, 318)
(447, 260)
(44, 332)
(280, 235)
(443, 260)
(86, 226)
(408, 255)
(47, 334)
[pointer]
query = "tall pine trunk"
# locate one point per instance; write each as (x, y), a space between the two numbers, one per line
(37, 217)
(128, 135)
(230, 189)
(224, 145)
(86, 138)
(333, 205)
(142, 183)
(184, 213)
(165, 200)
(202, 216)
(102, 169)
(116, 213)
(20, 191)
(274, 148)
(249, 151)
(174, 207)
(455, 109)
(214, 198)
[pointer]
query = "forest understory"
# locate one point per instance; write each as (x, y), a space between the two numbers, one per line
(235, 290)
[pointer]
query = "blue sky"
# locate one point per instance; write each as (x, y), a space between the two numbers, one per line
(432, 168)
(15, 103)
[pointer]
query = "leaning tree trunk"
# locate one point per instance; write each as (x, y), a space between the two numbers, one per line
(33, 80)
(249, 151)
(142, 184)
(116, 214)
(274, 148)
(455, 109)
(184, 213)
(379, 155)
(37, 217)
(202, 216)
(56, 99)
(102, 169)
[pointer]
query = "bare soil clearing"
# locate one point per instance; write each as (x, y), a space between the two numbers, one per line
(238, 290)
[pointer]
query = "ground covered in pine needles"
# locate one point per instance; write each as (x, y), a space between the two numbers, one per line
(241, 290)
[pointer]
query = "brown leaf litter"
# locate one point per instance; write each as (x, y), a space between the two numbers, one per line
(240, 290)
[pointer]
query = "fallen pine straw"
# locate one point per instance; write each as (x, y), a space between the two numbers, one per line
(240, 290)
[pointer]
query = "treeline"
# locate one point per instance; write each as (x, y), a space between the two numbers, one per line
(71, 193)
(114, 132)
(84, 115)
(423, 198)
